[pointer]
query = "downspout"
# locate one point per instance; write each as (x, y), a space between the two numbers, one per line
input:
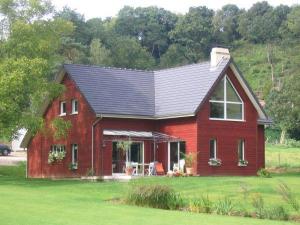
(93, 126)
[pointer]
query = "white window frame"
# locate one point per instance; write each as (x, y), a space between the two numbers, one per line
(243, 148)
(58, 148)
(61, 108)
(73, 158)
(215, 148)
(224, 102)
(73, 106)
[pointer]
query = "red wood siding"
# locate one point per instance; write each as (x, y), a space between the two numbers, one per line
(80, 134)
(195, 131)
(227, 134)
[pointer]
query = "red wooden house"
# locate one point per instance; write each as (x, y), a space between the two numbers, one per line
(206, 108)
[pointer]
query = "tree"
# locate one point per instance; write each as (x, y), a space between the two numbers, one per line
(150, 26)
(226, 24)
(194, 31)
(99, 55)
(259, 24)
(128, 53)
(22, 10)
(173, 57)
(293, 21)
(284, 105)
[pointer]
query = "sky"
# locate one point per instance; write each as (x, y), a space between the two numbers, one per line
(110, 8)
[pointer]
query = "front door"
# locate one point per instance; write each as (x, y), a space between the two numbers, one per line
(135, 154)
(176, 151)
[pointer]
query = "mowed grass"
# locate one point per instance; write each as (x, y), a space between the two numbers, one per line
(62, 202)
(282, 156)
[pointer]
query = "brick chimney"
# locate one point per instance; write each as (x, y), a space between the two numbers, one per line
(217, 54)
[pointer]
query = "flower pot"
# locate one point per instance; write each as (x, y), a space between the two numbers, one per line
(129, 171)
(189, 171)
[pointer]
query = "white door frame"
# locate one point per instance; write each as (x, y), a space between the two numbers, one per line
(169, 152)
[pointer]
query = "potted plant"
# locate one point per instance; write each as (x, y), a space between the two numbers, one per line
(56, 156)
(73, 166)
(189, 162)
(125, 146)
(243, 162)
(214, 162)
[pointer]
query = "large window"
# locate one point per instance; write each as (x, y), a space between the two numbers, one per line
(75, 154)
(74, 106)
(225, 103)
(63, 108)
(213, 149)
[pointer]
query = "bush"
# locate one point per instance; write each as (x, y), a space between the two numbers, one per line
(202, 205)
(277, 213)
(224, 206)
(292, 143)
(288, 196)
(258, 204)
(264, 173)
(156, 196)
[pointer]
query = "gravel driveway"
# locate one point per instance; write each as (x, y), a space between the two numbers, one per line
(13, 159)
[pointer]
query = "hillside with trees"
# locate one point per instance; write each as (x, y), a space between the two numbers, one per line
(36, 39)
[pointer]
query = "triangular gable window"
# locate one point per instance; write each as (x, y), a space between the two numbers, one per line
(225, 102)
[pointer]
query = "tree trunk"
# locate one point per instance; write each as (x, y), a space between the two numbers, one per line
(282, 136)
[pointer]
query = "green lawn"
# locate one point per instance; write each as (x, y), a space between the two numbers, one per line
(282, 156)
(31, 202)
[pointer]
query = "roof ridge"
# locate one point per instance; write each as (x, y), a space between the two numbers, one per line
(186, 65)
(107, 67)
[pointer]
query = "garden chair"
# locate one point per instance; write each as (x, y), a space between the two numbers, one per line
(159, 169)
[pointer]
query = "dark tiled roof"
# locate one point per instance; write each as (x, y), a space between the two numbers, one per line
(169, 92)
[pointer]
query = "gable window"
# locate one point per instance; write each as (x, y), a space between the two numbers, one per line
(213, 149)
(58, 148)
(225, 102)
(63, 108)
(75, 155)
(74, 106)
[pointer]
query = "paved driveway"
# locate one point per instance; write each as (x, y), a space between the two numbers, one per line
(13, 159)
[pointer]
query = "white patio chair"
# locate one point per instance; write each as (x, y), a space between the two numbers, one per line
(135, 167)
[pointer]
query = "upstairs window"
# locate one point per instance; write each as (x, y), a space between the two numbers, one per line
(58, 148)
(213, 149)
(74, 106)
(225, 103)
(63, 108)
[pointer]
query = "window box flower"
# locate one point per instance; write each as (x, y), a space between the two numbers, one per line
(214, 162)
(56, 156)
(243, 163)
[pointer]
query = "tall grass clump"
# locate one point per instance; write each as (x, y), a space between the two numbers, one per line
(288, 196)
(277, 213)
(202, 205)
(224, 206)
(259, 206)
(155, 196)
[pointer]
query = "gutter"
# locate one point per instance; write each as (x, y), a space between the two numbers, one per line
(93, 126)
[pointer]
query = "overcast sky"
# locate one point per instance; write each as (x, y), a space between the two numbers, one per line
(108, 8)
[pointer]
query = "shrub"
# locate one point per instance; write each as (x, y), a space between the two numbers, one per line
(224, 206)
(288, 196)
(264, 173)
(202, 205)
(156, 196)
(277, 213)
(292, 143)
(258, 204)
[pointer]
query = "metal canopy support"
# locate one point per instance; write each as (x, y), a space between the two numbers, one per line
(156, 137)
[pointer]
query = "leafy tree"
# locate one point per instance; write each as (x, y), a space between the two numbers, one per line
(226, 24)
(284, 105)
(293, 21)
(194, 31)
(128, 53)
(22, 10)
(173, 57)
(99, 55)
(259, 24)
(149, 25)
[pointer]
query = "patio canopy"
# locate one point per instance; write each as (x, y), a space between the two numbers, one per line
(144, 135)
